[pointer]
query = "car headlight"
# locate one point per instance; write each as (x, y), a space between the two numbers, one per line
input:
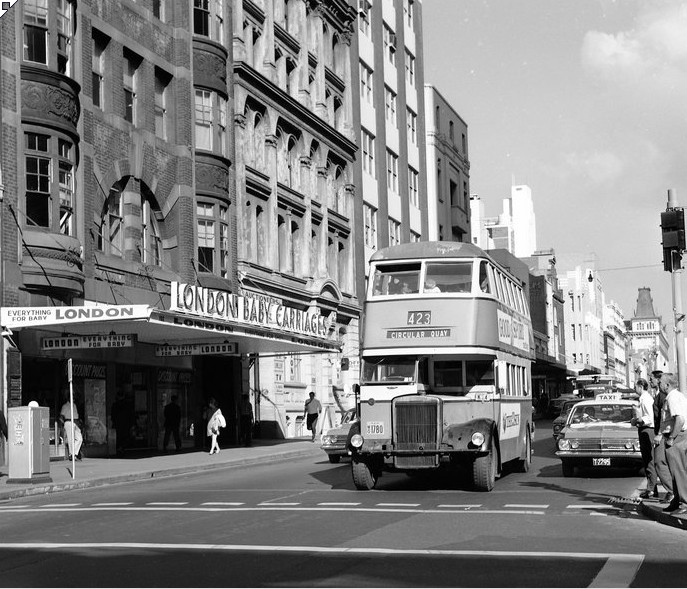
(563, 444)
(556, 429)
(574, 444)
(629, 446)
(636, 446)
(357, 441)
(327, 440)
(477, 438)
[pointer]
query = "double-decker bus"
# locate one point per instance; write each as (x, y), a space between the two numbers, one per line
(446, 355)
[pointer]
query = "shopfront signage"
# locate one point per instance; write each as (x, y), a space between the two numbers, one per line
(196, 349)
(218, 304)
(75, 342)
(16, 317)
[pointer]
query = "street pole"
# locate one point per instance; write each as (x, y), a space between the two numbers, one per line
(679, 317)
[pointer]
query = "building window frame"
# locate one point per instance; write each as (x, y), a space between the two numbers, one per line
(392, 171)
(370, 220)
(410, 68)
(132, 63)
(413, 187)
(368, 141)
(35, 14)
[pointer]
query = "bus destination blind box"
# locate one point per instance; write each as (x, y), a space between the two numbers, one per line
(673, 238)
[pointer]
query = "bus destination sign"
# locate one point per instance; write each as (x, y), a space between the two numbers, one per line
(418, 333)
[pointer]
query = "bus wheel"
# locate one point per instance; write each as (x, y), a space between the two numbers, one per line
(524, 464)
(364, 477)
(568, 468)
(484, 469)
(334, 458)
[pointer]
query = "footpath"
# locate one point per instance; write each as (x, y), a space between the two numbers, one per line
(95, 472)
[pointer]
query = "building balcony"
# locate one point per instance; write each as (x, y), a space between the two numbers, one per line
(52, 260)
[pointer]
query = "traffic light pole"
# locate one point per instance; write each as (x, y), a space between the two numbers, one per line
(679, 317)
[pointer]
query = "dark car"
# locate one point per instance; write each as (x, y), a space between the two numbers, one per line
(559, 422)
(335, 442)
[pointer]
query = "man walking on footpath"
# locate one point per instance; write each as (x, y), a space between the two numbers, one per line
(172, 422)
(245, 420)
(660, 461)
(312, 411)
(675, 440)
(645, 430)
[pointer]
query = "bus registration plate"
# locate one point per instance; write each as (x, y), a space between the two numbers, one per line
(601, 462)
(374, 428)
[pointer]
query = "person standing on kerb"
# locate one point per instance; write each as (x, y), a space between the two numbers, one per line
(71, 427)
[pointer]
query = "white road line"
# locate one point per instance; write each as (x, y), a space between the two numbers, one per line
(111, 504)
(526, 506)
(577, 506)
(467, 506)
(398, 505)
(53, 505)
(338, 504)
(619, 571)
(168, 503)
(617, 559)
(268, 504)
(223, 503)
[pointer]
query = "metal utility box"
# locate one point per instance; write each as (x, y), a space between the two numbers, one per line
(28, 439)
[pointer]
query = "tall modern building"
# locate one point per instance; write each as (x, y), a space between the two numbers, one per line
(513, 229)
(448, 170)
(179, 208)
(392, 128)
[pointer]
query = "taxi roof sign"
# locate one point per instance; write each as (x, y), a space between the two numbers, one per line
(609, 397)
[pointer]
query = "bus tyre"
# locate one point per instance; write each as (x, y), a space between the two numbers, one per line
(364, 477)
(334, 458)
(524, 464)
(568, 468)
(484, 469)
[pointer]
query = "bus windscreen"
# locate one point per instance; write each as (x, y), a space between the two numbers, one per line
(378, 369)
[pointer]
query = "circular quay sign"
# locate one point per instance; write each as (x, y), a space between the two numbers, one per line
(225, 306)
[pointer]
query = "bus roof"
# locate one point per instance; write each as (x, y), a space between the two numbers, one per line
(429, 249)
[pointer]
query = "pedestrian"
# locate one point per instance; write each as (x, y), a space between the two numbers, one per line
(660, 461)
(245, 420)
(69, 416)
(674, 434)
(215, 422)
(311, 414)
(172, 413)
(644, 420)
(121, 422)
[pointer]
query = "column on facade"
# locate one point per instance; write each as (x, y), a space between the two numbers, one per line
(318, 101)
(131, 203)
(344, 49)
(321, 188)
(306, 189)
(300, 31)
(272, 240)
(239, 43)
(247, 237)
(269, 67)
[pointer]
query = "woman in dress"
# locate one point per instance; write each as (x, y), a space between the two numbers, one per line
(215, 422)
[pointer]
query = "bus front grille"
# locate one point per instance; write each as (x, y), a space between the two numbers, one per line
(416, 422)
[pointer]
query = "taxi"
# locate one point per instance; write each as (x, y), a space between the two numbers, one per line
(599, 433)
(336, 441)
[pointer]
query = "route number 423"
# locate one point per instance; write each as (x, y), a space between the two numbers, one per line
(419, 317)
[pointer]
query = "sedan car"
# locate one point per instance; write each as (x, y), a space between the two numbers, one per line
(559, 422)
(599, 432)
(335, 442)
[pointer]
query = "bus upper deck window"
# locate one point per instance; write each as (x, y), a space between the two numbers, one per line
(395, 279)
(450, 277)
(484, 285)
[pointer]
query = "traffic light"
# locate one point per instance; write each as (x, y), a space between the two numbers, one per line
(673, 233)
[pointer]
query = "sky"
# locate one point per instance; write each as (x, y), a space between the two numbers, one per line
(585, 101)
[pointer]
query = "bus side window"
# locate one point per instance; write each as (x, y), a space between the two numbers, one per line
(484, 277)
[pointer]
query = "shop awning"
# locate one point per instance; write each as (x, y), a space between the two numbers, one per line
(160, 327)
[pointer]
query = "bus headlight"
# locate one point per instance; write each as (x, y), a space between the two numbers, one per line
(563, 444)
(357, 441)
(477, 438)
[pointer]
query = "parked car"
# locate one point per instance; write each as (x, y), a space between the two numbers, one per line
(559, 422)
(335, 442)
(599, 432)
(556, 404)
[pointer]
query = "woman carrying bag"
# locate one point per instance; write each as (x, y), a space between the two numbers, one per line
(215, 422)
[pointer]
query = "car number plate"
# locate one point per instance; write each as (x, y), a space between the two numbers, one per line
(374, 428)
(601, 462)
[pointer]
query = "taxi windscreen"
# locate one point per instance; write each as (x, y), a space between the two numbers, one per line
(607, 412)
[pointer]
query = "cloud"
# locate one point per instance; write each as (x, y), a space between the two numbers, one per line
(599, 167)
(656, 45)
